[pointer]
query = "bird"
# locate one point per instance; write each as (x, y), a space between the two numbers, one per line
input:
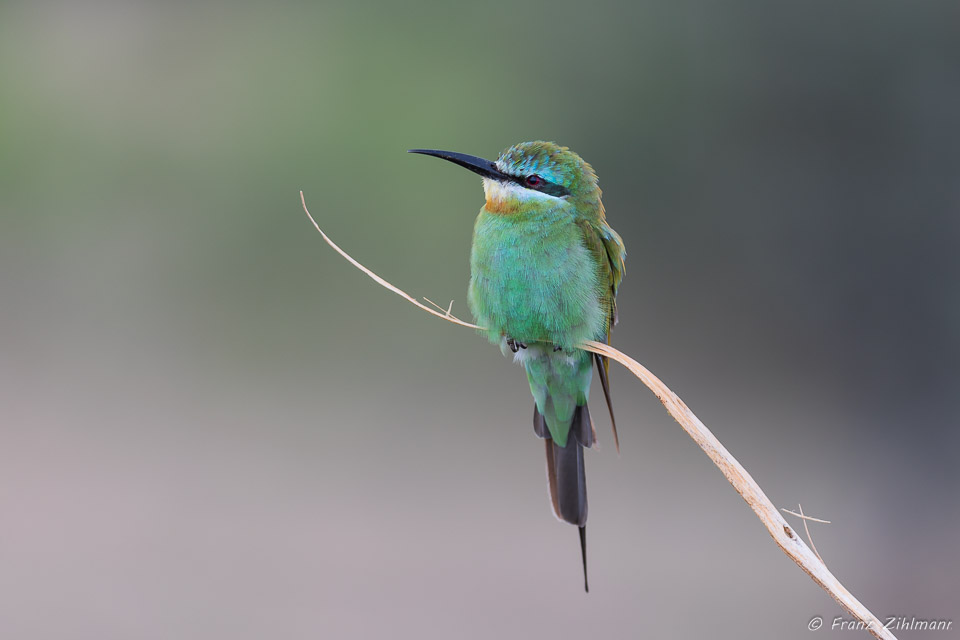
(545, 268)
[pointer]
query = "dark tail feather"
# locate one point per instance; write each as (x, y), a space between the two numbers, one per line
(566, 478)
(583, 554)
(569, 481)
(552, 479)
(539, 424)
(603, 368)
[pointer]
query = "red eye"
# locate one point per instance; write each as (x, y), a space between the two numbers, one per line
(534, 181)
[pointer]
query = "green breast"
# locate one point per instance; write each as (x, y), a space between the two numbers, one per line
(533, 280)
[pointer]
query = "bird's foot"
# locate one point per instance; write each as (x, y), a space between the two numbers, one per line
(515, 345)
(557, 348)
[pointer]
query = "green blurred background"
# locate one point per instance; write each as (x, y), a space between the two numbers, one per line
(214, 427)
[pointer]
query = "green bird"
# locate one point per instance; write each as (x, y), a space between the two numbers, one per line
(544, 272)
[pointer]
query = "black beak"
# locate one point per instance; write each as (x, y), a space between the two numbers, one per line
(479, 166)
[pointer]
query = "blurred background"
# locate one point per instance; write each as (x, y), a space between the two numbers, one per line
(212, 426)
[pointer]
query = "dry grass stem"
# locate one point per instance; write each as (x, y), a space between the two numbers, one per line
(746, 486)
(381, 281)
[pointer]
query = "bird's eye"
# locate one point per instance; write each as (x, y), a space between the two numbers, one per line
(534, 181)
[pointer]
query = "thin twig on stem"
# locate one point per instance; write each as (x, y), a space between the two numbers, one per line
(805, 518)
(785, 537)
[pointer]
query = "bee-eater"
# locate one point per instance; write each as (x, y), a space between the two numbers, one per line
(544, 272)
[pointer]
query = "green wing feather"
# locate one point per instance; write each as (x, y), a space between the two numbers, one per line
(608, 250)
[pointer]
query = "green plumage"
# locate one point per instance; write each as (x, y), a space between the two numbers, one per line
(544, 272)
(533, 280)
(545, 268)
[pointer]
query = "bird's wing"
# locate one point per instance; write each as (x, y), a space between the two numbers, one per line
(616, 254)
(608, 250)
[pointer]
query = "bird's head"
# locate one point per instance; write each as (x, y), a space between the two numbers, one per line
(530, 176)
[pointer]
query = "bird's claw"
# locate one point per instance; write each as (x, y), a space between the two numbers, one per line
(515, 345)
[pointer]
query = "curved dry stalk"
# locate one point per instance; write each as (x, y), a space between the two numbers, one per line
(784, 535)
(381, 281)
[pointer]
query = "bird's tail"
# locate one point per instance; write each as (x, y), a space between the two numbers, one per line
(566, 478)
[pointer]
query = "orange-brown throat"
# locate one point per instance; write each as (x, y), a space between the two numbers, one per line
(505, 198)
(502, 205)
